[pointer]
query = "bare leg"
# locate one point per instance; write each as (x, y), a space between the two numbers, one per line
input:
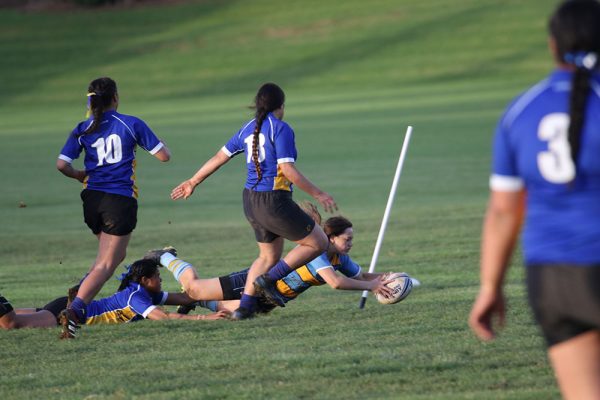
(111, 251)
(576, 363)
(203, 289)
(40, 319)
(25, 310)
(308, 248)
(269, 254)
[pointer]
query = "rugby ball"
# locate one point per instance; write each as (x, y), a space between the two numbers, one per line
(401, 285)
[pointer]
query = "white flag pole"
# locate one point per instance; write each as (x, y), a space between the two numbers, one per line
(388, 208)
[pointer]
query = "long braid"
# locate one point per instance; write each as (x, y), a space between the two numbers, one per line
(576, 32)
(577, 104)
(260, 117)
(269, 98)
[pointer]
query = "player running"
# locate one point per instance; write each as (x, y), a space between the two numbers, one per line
(109, 140)
(269, 145)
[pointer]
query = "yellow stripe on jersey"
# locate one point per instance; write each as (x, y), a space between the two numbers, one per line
(280, 182)
(112, 317)
(284, 289)
(307, 277)
(335, 260)
(135, 188)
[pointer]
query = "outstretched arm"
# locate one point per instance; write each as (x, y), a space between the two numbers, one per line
(158, 314)
(186, 188)
(295, 176)
(67, 169)
(337, 281)
(178, 299)
(500, 230)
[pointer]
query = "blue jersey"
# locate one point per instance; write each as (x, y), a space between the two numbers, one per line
(307, 275)
(531, 151)
(110, 151)
(130, 304)
(276, 145)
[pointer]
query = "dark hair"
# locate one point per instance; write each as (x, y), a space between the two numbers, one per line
(101, 93)
(575, 27)
(136, 271)
(335, 226)
(270, 97)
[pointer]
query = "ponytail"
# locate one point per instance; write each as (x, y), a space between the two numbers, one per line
(575, 28)
(269, 98)
(101, 93)
(580, 89)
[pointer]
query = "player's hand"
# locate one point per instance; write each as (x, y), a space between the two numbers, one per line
(379, 286)
(489, 309)
(327, 202)
(215, 316)
(183, 190)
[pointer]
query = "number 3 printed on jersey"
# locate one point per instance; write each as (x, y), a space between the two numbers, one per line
(108, 150)
(556, 164)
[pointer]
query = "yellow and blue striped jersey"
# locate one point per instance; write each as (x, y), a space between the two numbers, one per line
(307, 275)
(130, 304)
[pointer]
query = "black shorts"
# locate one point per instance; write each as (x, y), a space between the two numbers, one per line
(233, 284)
(55, 306)
(109, 213)
(565, 300)
(274, 214)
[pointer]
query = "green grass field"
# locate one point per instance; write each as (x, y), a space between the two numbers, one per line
(355, 73)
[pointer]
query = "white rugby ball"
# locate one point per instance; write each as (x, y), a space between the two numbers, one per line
(401, 285)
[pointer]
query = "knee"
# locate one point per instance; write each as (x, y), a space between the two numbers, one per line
(194, 292)
(268, 259)
(8, 322)
(320, 241)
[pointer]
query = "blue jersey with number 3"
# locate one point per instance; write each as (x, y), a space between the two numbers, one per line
(276, 145)
(531, 151)
(110, 151)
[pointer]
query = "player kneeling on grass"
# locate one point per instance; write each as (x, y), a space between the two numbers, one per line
(322, 270)
(137, 298)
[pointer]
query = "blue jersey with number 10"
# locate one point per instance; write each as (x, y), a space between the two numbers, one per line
(276, 145)
(110, 151)
(531, 151)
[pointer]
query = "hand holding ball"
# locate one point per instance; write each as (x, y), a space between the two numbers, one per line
(401, 286)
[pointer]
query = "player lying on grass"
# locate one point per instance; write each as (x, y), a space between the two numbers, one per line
(137, 298)
(223, 293)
